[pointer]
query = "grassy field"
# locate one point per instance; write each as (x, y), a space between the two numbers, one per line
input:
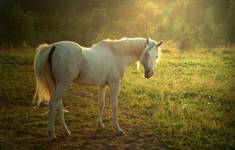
(189, 104)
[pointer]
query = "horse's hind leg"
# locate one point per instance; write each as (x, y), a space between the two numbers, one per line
(61, 109)
(53, 104)
(101, 104)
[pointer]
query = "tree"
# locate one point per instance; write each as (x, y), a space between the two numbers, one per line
(230, 22)
(18, 27)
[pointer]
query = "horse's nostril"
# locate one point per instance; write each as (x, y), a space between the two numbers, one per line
(147, 71)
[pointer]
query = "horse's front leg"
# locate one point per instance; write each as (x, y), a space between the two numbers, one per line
(101, 104)
(114, 90)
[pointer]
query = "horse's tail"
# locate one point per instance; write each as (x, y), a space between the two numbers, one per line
(137, 66)
(45, 82)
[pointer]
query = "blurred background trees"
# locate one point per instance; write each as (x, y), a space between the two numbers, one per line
(186, 23)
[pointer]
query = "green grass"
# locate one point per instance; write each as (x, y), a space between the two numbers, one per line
(189, 104)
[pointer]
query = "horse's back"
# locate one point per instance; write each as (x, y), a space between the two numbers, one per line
(67, 60)
(68, 46)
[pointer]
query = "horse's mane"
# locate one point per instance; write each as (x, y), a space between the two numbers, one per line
(125, 45)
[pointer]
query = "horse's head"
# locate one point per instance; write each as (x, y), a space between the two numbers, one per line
(149, 55)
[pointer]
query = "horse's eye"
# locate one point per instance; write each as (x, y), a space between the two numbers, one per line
(146, 56)
(156, 57)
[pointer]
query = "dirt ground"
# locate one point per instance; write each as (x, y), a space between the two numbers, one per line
(23, 127)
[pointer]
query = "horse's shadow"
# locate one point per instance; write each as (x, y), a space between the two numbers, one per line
(98, 139)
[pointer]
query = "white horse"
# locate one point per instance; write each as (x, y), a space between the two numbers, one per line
(59, 64)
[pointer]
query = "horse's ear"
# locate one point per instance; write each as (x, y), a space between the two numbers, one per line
(147, 40)
(159, 43)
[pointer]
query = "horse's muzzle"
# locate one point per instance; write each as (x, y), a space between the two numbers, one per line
(148, 74)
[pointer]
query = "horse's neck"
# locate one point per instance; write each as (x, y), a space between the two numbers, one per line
(125, 51)
(133, 50)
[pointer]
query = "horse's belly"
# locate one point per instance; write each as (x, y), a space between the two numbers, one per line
(91, 79)
(86, 83)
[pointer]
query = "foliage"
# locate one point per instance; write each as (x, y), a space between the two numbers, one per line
(188, 23)
(230, 23)
(18, 27)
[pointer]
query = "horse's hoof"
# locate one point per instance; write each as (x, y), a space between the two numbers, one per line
(68, 133)
(101, 125)
(51, 136)
(120, 132)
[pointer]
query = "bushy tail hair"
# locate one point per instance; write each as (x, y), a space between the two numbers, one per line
(45, 82)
